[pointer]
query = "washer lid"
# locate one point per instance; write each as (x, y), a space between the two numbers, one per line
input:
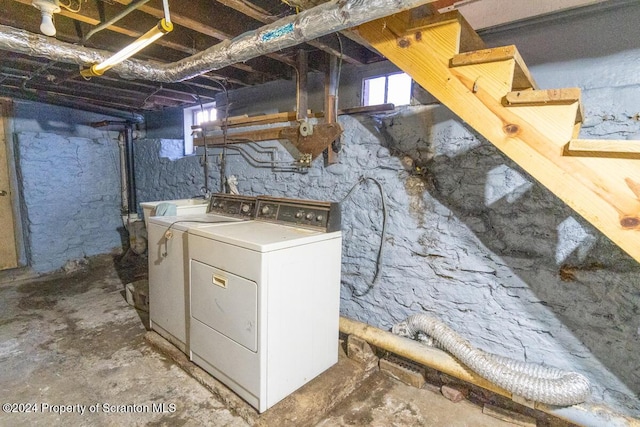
(263, 236)
(184, 222)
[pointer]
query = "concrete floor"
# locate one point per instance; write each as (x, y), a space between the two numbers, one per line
(71, 339)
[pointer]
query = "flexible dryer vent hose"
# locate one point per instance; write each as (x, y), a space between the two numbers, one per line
(531, 381)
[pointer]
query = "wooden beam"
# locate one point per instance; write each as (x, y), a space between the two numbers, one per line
(350, 51)
(367, 109)
(70, 99)
(30, 65)
(330, 103)
(90, 15)
(251, 10)
(287, 32)
(622, 149)
(190, 15)
(289, 116)
(241, 137)
(301, 85)
(243, 121)
(115, 37)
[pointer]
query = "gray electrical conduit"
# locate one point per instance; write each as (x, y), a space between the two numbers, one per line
(531, 381)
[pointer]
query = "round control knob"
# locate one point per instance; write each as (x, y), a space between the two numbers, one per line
(319, 218)
(299, 214)
(265, 210)
(245, 208)
(309, 216)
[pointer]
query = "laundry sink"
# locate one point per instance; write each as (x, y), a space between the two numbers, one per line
(184, 207)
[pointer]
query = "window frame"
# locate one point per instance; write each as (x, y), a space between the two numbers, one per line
(365, 94)
(189, 119)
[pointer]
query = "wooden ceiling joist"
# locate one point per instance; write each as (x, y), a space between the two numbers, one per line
(350, 51)
(189, 15)
(199, 25)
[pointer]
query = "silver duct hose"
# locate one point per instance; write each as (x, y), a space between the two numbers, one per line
(531, 381)
(289, 31)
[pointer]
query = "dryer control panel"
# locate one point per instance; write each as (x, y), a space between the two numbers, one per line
(232, 205)
(314, 214)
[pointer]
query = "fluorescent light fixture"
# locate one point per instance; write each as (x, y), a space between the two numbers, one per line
(143, 41)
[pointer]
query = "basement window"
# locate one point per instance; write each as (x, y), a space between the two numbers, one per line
(193, 116)
(391, 88)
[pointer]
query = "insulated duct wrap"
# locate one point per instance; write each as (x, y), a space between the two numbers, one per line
(290, 31)
(531, 381)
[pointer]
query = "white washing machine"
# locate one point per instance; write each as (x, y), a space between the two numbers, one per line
(169, 263)
(265, 298)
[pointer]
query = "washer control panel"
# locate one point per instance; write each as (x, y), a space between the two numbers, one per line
(232, 205)
(314, 214)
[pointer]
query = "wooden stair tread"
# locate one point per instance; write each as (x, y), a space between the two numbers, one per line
(624, 149)
(542, 97)
(522, 78)
(468, 41)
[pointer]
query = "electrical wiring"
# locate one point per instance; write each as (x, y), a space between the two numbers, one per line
(204, 139)
(71, 9)
(223, 160)
(158, 89)
(383, 233)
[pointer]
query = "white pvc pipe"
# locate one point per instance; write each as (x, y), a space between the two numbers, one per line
(584, 414)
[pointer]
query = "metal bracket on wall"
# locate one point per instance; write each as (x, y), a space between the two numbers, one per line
(314, 144)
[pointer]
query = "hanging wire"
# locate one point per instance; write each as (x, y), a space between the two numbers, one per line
(70, 8)
(224, 138)
(150, 95)
(383, 233)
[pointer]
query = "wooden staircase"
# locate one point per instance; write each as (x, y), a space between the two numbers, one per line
(493, 91)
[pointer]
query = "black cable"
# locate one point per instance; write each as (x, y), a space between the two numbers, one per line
(383, 233)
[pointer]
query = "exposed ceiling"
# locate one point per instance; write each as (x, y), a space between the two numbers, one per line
(199, 24)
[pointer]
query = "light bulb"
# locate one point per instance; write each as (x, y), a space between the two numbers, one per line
(47, 27)
(47, 8)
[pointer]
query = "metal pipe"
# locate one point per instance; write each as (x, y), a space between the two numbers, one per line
(127, 134)
(583, 414)
(289, 31)
(131, 175)
(124, 187)
(119, 16)
(165, 7)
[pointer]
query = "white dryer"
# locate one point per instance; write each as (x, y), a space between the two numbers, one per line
(265, 298)
(169, 263)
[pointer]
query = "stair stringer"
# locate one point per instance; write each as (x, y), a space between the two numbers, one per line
(605, 191)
